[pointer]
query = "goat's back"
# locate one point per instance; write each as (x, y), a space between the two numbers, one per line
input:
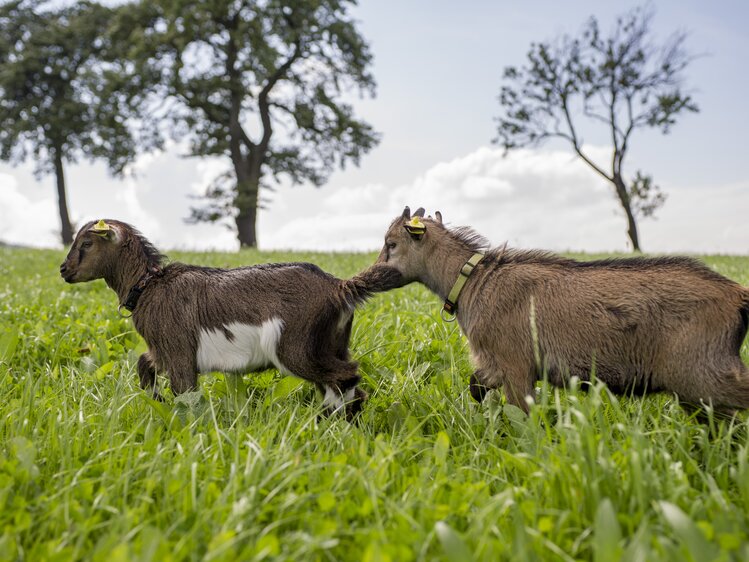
(630, 319)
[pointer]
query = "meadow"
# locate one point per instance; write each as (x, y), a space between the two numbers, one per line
(246, 469)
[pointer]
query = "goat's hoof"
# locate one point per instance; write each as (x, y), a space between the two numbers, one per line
(478, 390)
(354, 407)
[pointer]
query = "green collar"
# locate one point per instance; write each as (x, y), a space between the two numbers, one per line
(451, 302)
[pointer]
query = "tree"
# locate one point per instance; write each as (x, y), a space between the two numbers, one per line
(260, 82)
(55, 101)
(623, 81)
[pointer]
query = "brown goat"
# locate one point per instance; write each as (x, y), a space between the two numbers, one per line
(292, 316)
(640, 324)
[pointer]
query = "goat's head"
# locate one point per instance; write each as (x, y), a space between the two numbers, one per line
(93, 253)
(410, 241)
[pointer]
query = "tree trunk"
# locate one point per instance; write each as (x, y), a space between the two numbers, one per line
(66, 230)
(246, 204)
(246, 227)
(621, 192)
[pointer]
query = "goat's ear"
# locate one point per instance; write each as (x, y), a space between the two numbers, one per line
(420, 212)
(415, 228)
(103, 230)
(406, 213)
(438, 216)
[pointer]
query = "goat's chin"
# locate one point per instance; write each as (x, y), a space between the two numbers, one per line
(70, 278)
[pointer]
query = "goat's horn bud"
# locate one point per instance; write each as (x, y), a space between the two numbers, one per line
(406, 213)
(420, 212)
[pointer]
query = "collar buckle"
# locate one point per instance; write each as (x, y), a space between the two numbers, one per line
(451, 302)
(131, 301)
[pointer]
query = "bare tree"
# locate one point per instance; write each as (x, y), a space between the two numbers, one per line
(625, 81)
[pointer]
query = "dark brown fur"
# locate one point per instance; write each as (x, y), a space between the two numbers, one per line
(641, 324)
(181, 300)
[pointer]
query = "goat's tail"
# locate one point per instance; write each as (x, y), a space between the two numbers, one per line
(378, 278)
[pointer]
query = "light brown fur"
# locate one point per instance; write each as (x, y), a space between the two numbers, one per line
(642, 324)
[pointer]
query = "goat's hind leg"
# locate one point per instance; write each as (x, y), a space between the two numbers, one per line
(732, 394)
(725, 390)
(339, 379)
(147, 375)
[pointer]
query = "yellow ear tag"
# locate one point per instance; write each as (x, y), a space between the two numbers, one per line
(415, 227)
(100, 228)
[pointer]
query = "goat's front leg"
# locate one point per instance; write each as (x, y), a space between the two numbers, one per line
(518, 384)
(147, 375)
(183, 378)
(477, 386)
(516, 381)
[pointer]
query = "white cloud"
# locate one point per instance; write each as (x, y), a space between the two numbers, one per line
(521, 198)
(25, 221)
(540, 199)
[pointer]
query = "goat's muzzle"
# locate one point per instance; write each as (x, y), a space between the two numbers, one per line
(65, 274)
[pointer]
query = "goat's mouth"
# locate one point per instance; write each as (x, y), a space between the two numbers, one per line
(68, 276)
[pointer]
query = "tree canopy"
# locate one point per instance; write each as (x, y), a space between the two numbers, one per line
(263, 83)
(56, 103)
(625, 81)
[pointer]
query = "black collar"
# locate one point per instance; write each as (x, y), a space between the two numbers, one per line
(132, 297)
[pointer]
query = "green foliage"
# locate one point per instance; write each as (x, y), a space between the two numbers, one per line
(57, 102)
(49, 87)
(93, 469)
(645, 196)
(262, 83)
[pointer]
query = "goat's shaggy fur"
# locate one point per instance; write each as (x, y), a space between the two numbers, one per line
(292, 316)
(640, 324)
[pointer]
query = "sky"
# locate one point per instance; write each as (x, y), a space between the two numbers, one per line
(438, 66)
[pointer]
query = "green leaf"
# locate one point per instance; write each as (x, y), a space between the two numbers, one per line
(441, 448)
(8, 344)
(545, 524)
(326, 501)
(104, 370)
(607, 535)
(25, 451)
(285, 387)
(268, 545)
(693, 542)
(453, 546)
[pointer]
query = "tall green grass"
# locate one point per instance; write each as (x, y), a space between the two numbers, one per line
(92, 469)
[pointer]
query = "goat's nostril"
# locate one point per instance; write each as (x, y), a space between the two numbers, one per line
(63, 268)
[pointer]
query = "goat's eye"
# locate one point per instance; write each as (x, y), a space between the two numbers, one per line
(86, 244)
(391, 245)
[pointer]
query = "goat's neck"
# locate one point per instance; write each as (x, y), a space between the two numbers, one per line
(125, 274)
(442, 270)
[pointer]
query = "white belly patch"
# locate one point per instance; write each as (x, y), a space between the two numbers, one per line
(240, 347)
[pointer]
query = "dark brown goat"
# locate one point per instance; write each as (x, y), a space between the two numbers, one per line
(641, 324)
(292, 316)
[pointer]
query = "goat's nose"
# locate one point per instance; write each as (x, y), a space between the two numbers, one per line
(63, 267)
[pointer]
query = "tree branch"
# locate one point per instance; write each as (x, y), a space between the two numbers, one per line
(263, 104)
(576, 144)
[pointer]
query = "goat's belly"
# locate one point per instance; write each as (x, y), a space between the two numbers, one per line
(238, 347)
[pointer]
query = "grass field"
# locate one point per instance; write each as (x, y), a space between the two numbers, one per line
(92, 469)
